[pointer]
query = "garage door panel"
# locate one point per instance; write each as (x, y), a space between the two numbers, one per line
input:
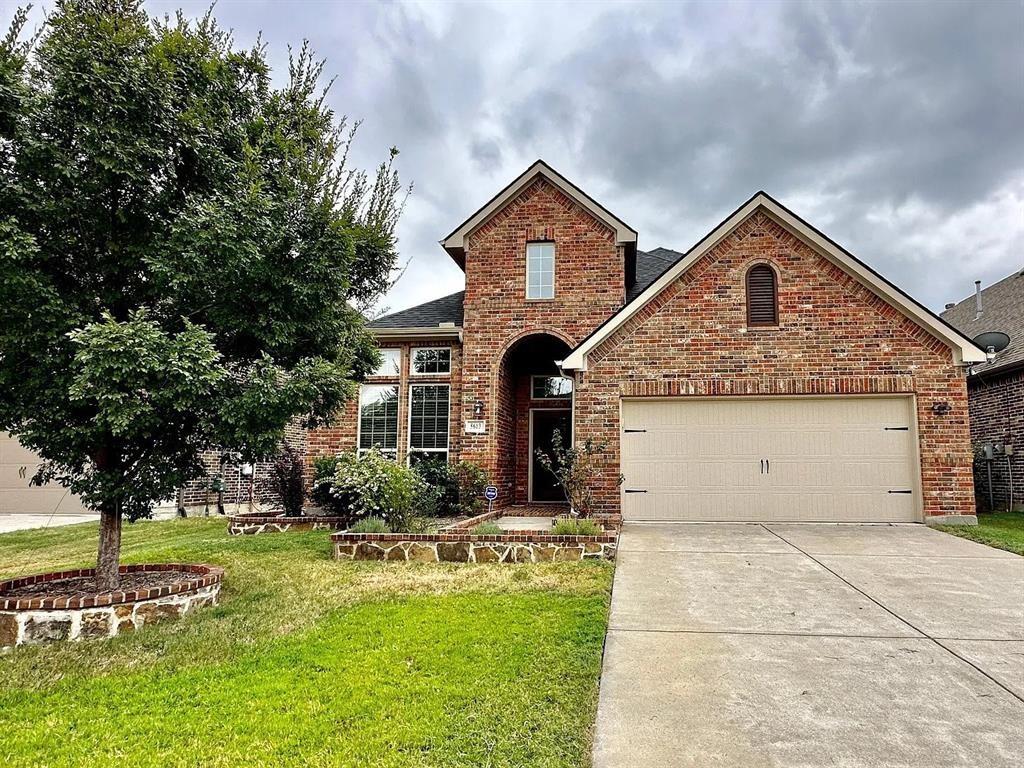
(831, 459)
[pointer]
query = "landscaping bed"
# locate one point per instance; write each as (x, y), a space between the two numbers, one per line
(255, 523)
(307, 661)
(66, 605)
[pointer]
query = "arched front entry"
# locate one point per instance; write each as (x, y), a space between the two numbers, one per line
(531, 401)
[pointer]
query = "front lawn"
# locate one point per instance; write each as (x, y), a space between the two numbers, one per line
(1004, 530)
(309, 661)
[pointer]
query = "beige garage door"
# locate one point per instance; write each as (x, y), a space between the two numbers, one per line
(843, 459)
(17, 465)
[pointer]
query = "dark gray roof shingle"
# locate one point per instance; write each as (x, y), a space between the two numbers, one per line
(447, 309)
(1002, 306)
(649, 267)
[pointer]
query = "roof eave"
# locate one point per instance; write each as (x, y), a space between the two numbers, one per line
(455, 243)
(418, 332)
(963, 349)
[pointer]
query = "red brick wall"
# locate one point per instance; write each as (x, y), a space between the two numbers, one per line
(589, 286)
(341, 436)
(997, 416)
(237, 489)
(834, 336)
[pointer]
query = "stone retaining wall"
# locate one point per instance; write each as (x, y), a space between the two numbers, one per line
(30, 621)
(509, 547)
(254, 524)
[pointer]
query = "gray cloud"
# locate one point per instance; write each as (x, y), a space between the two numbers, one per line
(897, 128)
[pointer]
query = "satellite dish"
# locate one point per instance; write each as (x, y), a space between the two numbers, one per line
(996, 340)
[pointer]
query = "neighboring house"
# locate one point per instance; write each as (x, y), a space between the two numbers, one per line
(17, 466)
(996, 392)
(765, 374)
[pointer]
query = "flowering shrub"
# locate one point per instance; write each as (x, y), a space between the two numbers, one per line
(373, 485)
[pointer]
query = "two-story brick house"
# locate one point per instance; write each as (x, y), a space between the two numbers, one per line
(765, 374)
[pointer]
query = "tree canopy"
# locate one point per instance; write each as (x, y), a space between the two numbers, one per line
(184, 249)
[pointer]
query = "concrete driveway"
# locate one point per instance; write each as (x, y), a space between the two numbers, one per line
(811, 645)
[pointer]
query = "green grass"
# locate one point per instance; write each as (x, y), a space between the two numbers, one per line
(309, 661)
(1003, 530)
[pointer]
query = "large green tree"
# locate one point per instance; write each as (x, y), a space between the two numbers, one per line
(183, 252)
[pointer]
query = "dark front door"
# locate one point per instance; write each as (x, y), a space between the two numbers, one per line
(544, 485)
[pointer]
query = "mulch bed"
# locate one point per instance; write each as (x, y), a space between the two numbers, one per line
(85, 586)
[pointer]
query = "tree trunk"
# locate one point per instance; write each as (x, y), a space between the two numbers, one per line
(109, 557)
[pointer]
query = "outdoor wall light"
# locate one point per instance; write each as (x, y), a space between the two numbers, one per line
(941, 408)
(478, 408)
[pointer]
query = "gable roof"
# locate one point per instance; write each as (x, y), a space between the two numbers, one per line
(964, 350)
(1002, 306)
(444, 314)
(455, 243)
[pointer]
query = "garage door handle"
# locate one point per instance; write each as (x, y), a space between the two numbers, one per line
(630, 431)
(897, 429)
(636, 490)
(900, 491)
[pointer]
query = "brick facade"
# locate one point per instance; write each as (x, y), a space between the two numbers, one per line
(589, 287)
(240, 492)
(997, 416)
(833, 337)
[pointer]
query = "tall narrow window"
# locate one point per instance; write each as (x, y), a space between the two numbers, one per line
(428, 421)
(378, 418)
(540, 270)
(762, 296)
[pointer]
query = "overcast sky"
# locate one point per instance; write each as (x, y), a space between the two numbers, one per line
(896, 128)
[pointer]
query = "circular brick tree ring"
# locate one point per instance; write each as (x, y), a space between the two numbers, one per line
(63, 605)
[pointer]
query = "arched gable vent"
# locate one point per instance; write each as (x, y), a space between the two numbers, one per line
(762, 296)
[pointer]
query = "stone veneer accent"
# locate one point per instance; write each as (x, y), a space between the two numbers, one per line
(253, 524)
(32, 621)
(509, 547)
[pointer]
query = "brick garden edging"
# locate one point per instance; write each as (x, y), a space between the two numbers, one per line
(456, 547)
(44, 620)
(254, 524)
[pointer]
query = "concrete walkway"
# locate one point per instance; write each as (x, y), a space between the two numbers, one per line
(811, 645)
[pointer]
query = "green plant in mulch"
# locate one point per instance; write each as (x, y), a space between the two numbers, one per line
(570, 527)
(370, 525)
(488, 529)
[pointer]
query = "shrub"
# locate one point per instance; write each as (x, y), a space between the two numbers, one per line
(370, 525)
(457, 489)
(322, 492)
(569, 527)
(488, 529)
(375, 485)
(575, 468)
(287, 480)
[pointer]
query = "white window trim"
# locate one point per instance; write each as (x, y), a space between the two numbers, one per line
(383, 376)
(359, 421)
(551, 397)
(554, 257)
(412, 361)
(408, 425)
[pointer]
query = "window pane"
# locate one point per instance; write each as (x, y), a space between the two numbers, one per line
(378, 417)
(432, 360)
(428, 422)
(540, 270)
(390, 363)
(545, 387)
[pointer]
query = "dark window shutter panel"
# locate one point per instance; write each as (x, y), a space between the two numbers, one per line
(762, 297)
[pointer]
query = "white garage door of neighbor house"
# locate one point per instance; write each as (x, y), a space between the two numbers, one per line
(841, 459)
(17, 465)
